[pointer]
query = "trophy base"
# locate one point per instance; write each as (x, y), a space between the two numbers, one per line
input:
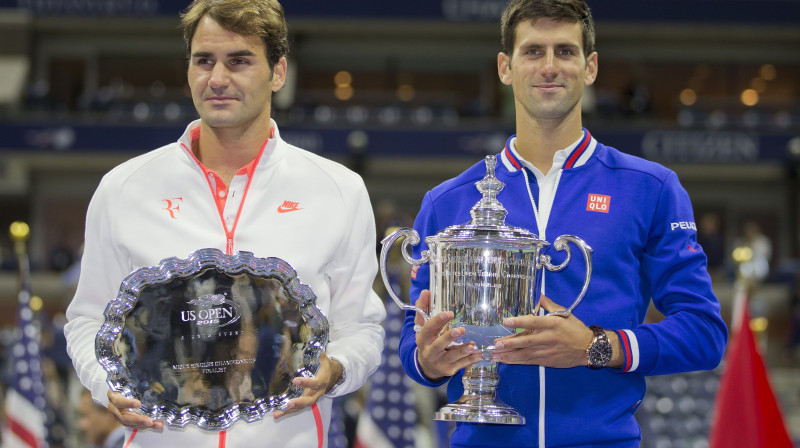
(479, 403)
(494, 413)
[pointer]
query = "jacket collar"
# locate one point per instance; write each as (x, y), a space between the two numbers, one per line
(573, 156)
(185, 142)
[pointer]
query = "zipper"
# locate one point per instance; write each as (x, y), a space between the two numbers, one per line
(211, 180)
(541, 225)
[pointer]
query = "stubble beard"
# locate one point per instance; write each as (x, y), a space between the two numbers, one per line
(549, 109)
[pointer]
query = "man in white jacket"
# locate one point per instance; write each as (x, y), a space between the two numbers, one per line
(230, 182)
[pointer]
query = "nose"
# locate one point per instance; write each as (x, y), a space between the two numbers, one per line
(549, 63)
(220, 78)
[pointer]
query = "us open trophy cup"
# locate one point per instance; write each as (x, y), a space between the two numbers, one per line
(484, 272)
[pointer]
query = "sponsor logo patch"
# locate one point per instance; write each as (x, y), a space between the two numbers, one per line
(598, 203)
(289, 206)
(683, 225)
(173, 207)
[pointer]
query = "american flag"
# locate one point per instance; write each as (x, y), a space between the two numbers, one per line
(25, 401)
(389, 419)
(337, 438)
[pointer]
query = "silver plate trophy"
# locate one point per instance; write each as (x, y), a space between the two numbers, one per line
(484, 272)
(211, 339)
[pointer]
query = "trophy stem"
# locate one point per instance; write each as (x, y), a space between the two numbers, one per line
(479, 404)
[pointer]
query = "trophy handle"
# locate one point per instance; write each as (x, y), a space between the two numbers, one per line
(561, 243)
(411, 238)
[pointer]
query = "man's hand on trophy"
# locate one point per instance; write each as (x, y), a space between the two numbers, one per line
(437, 356)
(120, 407)
(328, 375)
(551, 341)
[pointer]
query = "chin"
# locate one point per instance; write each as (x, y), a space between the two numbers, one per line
(219, 122)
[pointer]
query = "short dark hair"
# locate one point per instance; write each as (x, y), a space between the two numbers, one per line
(571, 11)
(264, 18)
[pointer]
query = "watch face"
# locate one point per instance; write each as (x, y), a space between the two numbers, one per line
(600, 354)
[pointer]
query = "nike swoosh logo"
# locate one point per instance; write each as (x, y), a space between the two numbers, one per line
(285, 209)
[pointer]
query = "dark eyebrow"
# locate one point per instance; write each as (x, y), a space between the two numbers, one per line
(241, 53)
(235, 54)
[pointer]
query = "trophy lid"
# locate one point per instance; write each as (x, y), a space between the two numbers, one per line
(488, 216)
(489, 211)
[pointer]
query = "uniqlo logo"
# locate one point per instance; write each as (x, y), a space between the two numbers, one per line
(598, 203)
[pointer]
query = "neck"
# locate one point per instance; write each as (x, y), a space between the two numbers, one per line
(224, 151)
(539, 140)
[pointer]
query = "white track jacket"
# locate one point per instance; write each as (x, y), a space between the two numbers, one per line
(309, 211)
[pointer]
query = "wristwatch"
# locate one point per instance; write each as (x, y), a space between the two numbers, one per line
(599, 352)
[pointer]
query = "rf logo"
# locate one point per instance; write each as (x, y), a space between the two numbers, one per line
(173, 206)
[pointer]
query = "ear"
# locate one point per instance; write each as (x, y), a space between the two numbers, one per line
(504, 68)
(278, 75)
(591, 69)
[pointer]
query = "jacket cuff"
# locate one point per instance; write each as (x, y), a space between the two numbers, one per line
(422, 379)
(639, 350)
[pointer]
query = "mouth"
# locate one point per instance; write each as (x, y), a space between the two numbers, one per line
(220, 99)
(548, 87)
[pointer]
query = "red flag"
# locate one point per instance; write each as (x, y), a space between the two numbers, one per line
(746, 413)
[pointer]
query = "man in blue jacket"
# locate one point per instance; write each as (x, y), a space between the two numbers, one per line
(633, 213)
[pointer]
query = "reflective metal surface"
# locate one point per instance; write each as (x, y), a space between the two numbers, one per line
(484, 272)
(211, 339)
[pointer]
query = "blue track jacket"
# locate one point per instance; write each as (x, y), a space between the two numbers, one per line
(638, 220)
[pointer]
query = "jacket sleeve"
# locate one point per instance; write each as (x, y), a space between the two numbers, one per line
(692, 336)
(103, 268)
(425, 225)
(356, 312)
